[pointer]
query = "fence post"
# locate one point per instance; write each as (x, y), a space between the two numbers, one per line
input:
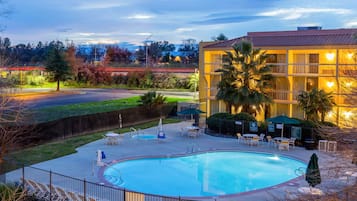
(50, 185)
(84, 189)
(124, 198)
(23, 176)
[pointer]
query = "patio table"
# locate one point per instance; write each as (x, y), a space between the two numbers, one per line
(192, 131)
(112, 138)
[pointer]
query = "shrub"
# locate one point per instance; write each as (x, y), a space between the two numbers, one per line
(327, 123)
(133, 80)
(225, 122)
(151, 99)
(244, 116)
(214, 122)
(10, 192)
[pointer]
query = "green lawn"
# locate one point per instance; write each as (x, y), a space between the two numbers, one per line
(58, 112)
(67, 146)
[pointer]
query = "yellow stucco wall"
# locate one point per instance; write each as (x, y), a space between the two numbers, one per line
(332, 63)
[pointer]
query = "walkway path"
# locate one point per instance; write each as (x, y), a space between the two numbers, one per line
(82, 164)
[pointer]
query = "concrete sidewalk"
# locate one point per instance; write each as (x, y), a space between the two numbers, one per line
(82, 164)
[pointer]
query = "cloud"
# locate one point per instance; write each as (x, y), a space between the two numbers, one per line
(226, 20)
(183, 29)
(140, 17)
(351, 24)
(296, 13)
(98, 5)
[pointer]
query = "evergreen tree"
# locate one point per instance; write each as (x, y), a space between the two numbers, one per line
(56, 63)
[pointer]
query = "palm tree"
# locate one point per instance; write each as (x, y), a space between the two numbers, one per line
(246, 79)
(151, 99)
(315, 102)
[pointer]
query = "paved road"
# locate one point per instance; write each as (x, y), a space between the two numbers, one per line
(71, 96)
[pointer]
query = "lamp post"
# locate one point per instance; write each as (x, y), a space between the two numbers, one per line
(147, 44)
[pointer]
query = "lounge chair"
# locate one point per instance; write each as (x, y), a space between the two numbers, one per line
(61, 194)
(284, 145)
(81, 197)
(292, 142)
(270, 140)
(33, 188)
(254, 141)
(261, 137)
(72, 195)
(240, 138)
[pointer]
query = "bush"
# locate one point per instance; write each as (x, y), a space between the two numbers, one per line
(244, 116)
(327, 123)
(10, 192)
(225, 123)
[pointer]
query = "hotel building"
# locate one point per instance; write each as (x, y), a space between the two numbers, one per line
(301, 60)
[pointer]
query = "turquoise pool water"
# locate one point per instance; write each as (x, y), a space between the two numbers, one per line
(144, 137)
(207, 174)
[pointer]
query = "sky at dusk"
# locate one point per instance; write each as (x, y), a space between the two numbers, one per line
(133, 21)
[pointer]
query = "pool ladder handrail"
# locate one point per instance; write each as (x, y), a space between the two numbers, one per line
(300, 171)
(133, 131)
(120, 178)
(192, 148)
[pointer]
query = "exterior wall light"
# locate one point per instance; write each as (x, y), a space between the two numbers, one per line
(347, 114)
(330, 84)
(330, 56)
(330, 114)
(348, 84)
(349, 55)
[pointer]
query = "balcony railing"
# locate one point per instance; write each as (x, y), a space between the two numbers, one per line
(283, 95)
(213, 92)
(305, 69)
(348, 70)
(277, 68)
(280, 95)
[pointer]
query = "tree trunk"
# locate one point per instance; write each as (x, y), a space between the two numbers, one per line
(229, 108)
(58, 85)
(245, 108)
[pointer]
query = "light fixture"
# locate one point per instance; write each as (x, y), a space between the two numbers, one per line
(330, 84)
(348, 84)
(347, 114)
(349, 55)
(329, 114)
(330, 56)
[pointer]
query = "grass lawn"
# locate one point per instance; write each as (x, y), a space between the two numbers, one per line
(64, 147)
(58, 112)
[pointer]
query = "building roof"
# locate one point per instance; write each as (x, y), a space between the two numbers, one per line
(295, 38)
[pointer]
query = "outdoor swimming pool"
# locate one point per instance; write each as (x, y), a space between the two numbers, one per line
(206, 174)
(144, 137)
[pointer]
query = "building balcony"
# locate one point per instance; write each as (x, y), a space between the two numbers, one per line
(283, 96)
(278, 68)
(305, 69)
(347, 70)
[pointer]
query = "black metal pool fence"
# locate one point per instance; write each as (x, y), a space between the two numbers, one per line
(55, 186)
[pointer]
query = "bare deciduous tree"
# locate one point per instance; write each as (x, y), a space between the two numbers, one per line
(12, 118)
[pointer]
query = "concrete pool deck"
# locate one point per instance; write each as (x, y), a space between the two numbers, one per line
(83, 163)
